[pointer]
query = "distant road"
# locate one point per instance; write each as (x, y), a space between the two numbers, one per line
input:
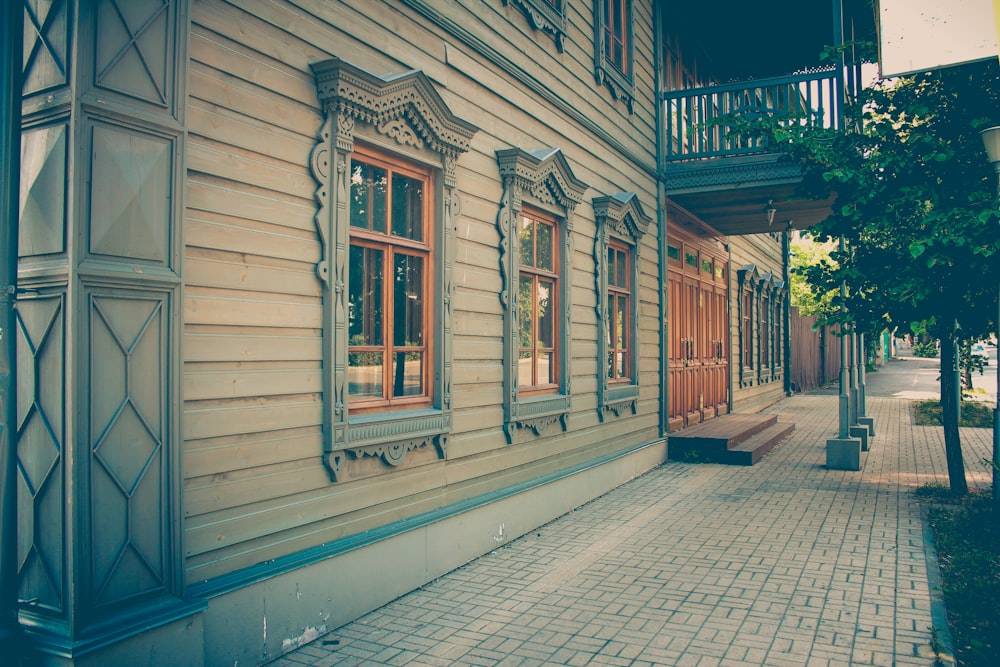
(917, 377)
(905, 377)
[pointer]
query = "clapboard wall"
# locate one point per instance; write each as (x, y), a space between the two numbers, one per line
(254, 487)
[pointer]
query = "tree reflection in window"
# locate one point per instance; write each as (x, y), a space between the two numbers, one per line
(388, 315)
(537, 304)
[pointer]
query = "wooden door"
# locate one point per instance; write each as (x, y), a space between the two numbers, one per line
(698, 324)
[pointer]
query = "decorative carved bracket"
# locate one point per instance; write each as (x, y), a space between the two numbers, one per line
(545, 15)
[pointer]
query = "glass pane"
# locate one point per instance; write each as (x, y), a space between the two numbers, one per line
(364, 299)
(544, 246)
(408, 374)
(407, 207)
(706, 266)
(691, 259)
(612, 269)
(546, 372)
(610, 328)
(611, 366)
(408, 300)
(364, 375)
(524, 378)
(622, 359)
(546, 316)
(368, 196)
(527, 242)
(525, 310)
(622, 266)
(673, 252)
(621, 317)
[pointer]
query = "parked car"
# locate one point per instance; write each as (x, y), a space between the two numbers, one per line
(979, 350)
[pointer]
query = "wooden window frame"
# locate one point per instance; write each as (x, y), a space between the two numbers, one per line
(613, 22)
(749, 281)
(617, 294)
(534, 274)
(391, 245)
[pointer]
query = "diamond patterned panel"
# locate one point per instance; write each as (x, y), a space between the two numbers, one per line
(46, 45)
(128, 478)
(41, 515)
(135, 48)
(43, 192)
(130, 198)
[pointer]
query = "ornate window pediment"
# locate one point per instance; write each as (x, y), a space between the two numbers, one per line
(545, 179)
(407, 109)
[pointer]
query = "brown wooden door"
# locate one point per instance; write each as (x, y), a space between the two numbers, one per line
(699, 332)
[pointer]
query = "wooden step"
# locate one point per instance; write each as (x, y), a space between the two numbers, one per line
(734, 439)
(753, 449)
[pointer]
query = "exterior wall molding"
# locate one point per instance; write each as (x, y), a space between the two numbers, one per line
(619, 216)
(545, 177)
(407, 109)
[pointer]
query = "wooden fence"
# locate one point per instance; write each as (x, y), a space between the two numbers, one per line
(815, 358)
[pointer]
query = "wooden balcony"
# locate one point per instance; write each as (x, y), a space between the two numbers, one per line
(725, 177)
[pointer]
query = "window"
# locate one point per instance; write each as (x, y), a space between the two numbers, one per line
(747, 329)
(749, 314)
(621, 223)
(619, 311)
(616, 35)
(535, 223)
(538, 304)
(613, 59)
(385, 222)
(388, 298)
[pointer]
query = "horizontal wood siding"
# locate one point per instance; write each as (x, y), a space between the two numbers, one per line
(255, 488)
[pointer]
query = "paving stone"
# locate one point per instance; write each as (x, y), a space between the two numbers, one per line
(782, 563)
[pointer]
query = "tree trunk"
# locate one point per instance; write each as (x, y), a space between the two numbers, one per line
(949, 418)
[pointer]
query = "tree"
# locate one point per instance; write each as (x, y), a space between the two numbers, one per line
(807, 252)
(916, 203)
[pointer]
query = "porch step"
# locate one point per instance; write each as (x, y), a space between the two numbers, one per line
(733, 439)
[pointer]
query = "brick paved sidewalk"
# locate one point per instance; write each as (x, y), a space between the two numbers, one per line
(782, 563)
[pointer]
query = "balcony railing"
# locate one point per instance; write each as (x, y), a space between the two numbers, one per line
(700, 122)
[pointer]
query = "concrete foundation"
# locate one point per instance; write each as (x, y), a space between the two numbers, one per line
(843, 454)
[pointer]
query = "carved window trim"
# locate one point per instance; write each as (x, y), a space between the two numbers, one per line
(762, 330)
(620, 83)
(748, 279)
(620, 220)
(543, 178)
(775, 293)
(543, 15)
(405, 110)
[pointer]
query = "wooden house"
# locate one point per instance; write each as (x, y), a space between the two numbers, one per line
(319, 300)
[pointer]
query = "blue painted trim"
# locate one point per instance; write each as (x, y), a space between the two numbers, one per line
(262, 571)
(110, 630)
